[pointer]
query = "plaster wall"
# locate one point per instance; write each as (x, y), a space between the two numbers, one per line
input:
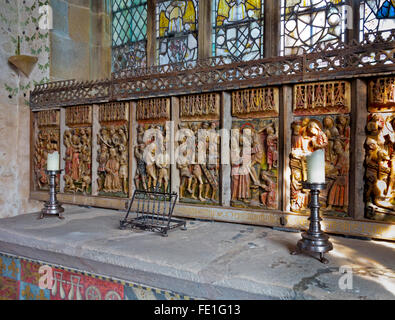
(18, 18)
(78, 47)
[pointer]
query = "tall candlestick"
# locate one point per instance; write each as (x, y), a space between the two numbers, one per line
(316, 167)
(53, 161)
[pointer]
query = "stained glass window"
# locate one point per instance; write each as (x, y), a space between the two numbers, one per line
(238, 29)
(376, 15)
(177, 25)
(309, 24)
(129, 33)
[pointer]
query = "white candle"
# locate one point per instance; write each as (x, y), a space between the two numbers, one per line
(316, 167)
(53, 161)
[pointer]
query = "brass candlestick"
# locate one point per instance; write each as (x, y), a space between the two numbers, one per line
(52, 207)
(314, 240)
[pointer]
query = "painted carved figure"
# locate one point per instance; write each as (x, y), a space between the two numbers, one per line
(199, 179)
(331, 133)
(47, 141)
(380, 166)
(78, 153)
(153, 164)
(113, 159)
(254, 160)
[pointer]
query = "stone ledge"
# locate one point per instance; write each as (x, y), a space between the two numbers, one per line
(210, 260)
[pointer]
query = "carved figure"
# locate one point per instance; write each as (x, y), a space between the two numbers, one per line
(380, 166)
(307, 136)
(77, 159)
(199, 179)
(254, 157)
(113, 157)
(112, 182)
(47, 141)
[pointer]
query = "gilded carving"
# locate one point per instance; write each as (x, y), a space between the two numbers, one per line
(153, 163)
(261, 102)
(113, 153)
(332, 133)
(79, 116)
(114, 112)
(46, 141)
(199, 175)
(78, 173)
(255, 161)
(382, 95)
(200, 106)
(153, 109)
(48, 118)
(380, 166)
(322, 98)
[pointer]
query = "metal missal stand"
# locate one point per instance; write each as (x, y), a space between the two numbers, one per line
(52, 207)
(154, 212)
(314, 240)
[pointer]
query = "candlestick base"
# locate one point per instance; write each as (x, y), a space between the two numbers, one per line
(314, 240)
(52, 207)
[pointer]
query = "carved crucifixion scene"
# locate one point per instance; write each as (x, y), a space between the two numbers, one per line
(380, 151)
(113, 150)
(47, 141)
(77, 141)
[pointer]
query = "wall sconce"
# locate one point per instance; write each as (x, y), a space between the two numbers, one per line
(23, 63)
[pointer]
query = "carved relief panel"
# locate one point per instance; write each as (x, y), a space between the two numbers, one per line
(47, 126)
(322, 98)
(380, 151)
(150, 149)
(113, 152)
(322, 121)
(198, 159)
(77, 140)
(254, 148)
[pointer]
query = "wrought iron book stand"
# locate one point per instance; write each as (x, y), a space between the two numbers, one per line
(153, 211)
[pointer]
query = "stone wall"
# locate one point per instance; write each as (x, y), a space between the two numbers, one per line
(80, 40)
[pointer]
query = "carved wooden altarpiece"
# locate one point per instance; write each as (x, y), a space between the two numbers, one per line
(150, 145)
(113, 153)
(77, 140)
(321, 113)
(380, 151)
(254, 148)
(198, 130)
(46, 140)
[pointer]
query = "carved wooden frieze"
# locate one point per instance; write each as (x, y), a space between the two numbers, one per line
(48, 118)
(79, 116)
(331, 132)
(261, 102)
(255, 163)
(322, 98)
(113, 153)
(47, 133)
(382, 95)
(153, 110)
(114, 112)
(200, 107)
